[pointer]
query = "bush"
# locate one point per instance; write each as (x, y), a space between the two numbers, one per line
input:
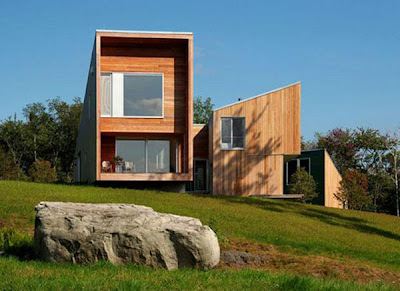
(43, 172)
(303, 183)
(353, 191)
(16, 243)
(8, 169)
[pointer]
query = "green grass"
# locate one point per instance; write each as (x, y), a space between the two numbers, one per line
(292, 227)
(49, 276)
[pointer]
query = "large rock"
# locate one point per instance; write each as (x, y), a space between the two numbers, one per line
(122, 233)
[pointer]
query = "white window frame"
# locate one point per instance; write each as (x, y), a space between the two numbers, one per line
(117, 94)
(244, 137)
(297, 166)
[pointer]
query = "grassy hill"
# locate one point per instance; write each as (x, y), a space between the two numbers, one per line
(302, 241)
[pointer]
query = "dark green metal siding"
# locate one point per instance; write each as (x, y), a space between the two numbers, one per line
(317, 170)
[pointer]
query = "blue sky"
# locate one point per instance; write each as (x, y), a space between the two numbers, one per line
(345, 53)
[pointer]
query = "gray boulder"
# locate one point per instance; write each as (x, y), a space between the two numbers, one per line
(122, 233)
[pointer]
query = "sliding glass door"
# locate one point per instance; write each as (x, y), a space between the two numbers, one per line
(143, 156)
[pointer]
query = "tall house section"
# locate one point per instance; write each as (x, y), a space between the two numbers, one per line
(144, 113)
(250, 141)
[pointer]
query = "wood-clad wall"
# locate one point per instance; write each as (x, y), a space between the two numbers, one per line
(170, 54)
(200, 141)
(272, 131)
(138, 56)
(332, 180)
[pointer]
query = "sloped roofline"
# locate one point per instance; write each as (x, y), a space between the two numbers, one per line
(142, 31)
(259, 95)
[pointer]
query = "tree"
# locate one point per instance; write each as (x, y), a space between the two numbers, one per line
(39, 129)
(303, 183)
(202, 110)
(13, 138)
(371, 146)
(353, 191)
(394, 164)
(341, 146)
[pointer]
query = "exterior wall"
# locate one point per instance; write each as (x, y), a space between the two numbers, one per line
(272, 131)
(170, 54)
(332, 180)
(317, 171)
(200, 141)
(86, 141)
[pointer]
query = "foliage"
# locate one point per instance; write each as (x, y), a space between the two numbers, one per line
(8, 169)
(202, 110)
(48, 133)
(302, 182)
(353, 191)
(16, 243)
(341, 146)
(43, 172)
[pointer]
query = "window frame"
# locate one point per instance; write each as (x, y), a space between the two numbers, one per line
(244, 136)
(123, 94)
(111, 97)
(146, 168)
(297, 166)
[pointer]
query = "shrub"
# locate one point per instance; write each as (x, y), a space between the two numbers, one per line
(42, 171)
(353, 191)
(8, 169)
(303, 183)
(16, 243)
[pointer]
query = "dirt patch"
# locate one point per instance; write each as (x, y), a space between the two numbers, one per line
(254, 256)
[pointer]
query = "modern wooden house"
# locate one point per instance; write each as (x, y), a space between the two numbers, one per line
(137, 123)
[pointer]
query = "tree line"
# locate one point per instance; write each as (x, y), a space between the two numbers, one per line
(368, 160)
(40, 146)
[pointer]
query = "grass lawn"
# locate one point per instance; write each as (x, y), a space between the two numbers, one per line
(294, 228)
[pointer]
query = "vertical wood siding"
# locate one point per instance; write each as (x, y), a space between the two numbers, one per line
(332, 180)
(272, 131)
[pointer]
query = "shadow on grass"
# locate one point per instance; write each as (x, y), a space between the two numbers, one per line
(327, 216)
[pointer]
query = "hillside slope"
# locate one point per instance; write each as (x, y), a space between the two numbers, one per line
(292, 228)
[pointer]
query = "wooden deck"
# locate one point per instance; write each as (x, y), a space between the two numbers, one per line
(284, 196)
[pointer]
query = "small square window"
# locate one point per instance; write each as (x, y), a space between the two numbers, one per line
(233, 132)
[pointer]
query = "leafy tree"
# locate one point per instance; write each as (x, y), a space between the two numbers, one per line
(380, 187)
(13, 137)
(39, 129)
(341, 146)
(303, 183)
(353, 191)
(66, 119)
(371, 147)
(202, 110)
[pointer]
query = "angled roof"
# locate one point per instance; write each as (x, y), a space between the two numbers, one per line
(259, 95)
(143, 31)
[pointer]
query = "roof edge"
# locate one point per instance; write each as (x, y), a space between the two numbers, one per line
(142, 31)
(259, 95)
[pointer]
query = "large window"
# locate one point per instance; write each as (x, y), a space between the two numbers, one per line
(132, 95)
(143, 156)
(233, 132)
(293, 165)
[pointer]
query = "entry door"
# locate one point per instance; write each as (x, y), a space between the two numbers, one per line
(200, 175)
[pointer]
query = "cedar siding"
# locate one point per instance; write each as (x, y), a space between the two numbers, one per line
(272, 123)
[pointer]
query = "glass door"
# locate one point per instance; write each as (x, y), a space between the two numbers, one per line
(200, 175)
